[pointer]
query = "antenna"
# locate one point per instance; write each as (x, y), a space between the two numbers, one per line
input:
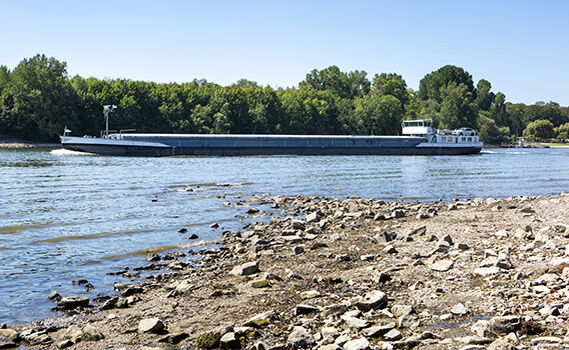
(107, 109)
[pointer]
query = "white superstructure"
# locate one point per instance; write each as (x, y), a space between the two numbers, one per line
(463, 137)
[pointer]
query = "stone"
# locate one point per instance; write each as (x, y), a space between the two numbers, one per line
(64, 344)
(8, 336)
(310, 294)
(547, 340)
(463, 246)
(505, 324)
(300, 338)
(312, 217)
(442, 265)
(302, 309)
(69, 303)
(208, 340)
(261, 320)
(253, 210)
(377, 331)
(390, 250)
(260, 283)
(174, 338)
(54, 296)
(392, 335)
(503, 262)
(298, 249)
(91, 333)
(229, 341)
(298, 225)
(421, 230)
(459, 309)
(214, 225)
(357, 344)
(398, 213)
(246, 269)
(485, 271)
(193, 236)
(354, 322)
(383, 237)
(150, 325)
(372, 300)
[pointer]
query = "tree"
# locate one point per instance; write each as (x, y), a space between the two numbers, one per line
(345, 85)
(539, 130)
(484, 97)
(456, 108)
(430, 86)
(379, 115)
(391, 84)
(562, 132)
(498, 110)
(38, 99)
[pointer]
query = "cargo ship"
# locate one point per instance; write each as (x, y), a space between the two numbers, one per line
(419, 138)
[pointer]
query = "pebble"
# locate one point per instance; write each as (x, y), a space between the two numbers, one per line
(150, 325)
(300, 338)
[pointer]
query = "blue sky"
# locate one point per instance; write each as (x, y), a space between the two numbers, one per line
(521, 47)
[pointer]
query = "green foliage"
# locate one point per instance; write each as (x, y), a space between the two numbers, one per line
(539, 130)
(430, 86)
(38, 99)
(456, 107)
(562, 132)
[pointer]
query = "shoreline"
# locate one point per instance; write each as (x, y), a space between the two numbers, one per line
(331, 274)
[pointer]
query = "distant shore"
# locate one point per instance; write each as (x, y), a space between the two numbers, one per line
(10, 142)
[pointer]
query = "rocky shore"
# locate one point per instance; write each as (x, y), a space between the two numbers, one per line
(350, 274)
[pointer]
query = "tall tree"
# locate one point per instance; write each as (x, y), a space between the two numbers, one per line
(430, 86)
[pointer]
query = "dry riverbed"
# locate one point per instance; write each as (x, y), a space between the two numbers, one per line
(348, 274)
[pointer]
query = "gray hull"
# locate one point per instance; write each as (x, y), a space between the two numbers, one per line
(160, 145)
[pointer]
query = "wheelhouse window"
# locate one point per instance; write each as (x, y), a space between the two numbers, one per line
(469, 139)
(443, 139)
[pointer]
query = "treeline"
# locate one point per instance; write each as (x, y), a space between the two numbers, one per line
(38, 99)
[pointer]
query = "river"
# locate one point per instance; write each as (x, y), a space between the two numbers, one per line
(67, 216)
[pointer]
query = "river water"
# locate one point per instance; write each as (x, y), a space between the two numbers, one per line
(67, 216)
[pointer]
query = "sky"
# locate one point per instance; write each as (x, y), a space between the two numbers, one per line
(520, 47)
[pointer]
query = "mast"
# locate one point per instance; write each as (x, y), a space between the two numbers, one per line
(107, 109)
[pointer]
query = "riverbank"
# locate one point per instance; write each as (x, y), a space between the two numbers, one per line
(351, 274)
(12, 143)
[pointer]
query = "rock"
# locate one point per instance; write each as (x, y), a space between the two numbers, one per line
(183, 230)
(505, 324)
(62, 344)
(298, 249)
(310, 294)
(150, 325)
(377, 331)
(354, 322)
(252, 210)
(214, 225)
(485, 271)
(392, 335)
(174, 338)
(261, 320)
(193, 236)
(419, 231)
(390, 250)
(69, 303)
(54, 296)
(398, 213)
(91, 333)
(300, 338)
(463, 246)
(384, 237)
(209, 340)
(246, 269)
(229, 341)
(298, 225)
(8, 338)
(372, 300)
(357, 344)
(313, 217)
(260, 283)
(442, 265)
(459, 309)
(546, 340)
(302, 309)
(503, 262)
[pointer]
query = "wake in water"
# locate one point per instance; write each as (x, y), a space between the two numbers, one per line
(487, 152)
(66, 152)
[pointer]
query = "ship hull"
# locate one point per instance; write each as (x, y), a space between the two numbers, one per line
(149, 145)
